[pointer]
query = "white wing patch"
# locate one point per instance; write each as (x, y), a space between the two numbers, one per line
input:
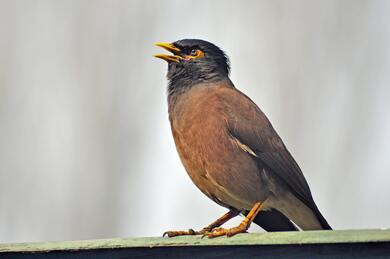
(244, 147)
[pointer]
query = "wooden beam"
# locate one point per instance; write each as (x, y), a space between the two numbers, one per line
(361, 243)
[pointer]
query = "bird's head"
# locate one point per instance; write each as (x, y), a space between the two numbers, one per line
(194, 61)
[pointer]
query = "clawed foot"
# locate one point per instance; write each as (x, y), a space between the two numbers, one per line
(229, 232)
(190, 232)
(214, 229)
(210, 233)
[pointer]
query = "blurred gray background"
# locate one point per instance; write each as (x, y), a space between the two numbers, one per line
(85, 144)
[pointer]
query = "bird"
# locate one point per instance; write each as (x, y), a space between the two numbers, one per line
(230, 149)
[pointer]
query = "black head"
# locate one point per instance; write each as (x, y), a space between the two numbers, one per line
(193, 62)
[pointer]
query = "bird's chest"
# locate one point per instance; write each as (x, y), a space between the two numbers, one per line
(211, 157)
(207, 151)
(200, 137)
(199, 143)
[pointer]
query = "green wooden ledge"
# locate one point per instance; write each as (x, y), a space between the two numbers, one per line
(323, 242)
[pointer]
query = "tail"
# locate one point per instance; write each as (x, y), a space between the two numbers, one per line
(325, 225)
(292, 210)
(305, 215)
(273, 220)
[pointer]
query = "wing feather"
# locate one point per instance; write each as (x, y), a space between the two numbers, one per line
(251, 127)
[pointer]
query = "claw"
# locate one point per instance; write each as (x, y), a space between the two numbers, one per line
(190, 232)
(242, 228)
(214, 229)
(206, 234)
(217, 229)
(170, 233)
(229, 232)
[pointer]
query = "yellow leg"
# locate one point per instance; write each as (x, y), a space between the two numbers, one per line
(226, 217)
(242, 228)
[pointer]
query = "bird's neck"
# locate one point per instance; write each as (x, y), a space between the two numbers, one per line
(179, 85)
(177, 94)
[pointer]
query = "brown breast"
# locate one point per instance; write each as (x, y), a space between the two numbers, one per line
(216, 163)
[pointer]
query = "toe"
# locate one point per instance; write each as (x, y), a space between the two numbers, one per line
(217, 233)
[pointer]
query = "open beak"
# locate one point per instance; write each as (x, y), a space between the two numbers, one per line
(171, 48)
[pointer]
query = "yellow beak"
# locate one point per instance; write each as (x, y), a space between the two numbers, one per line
(171, 48)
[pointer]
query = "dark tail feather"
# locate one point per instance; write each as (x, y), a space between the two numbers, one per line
(273, 220)
(321, 219)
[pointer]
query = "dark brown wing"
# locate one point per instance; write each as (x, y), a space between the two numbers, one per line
(252, 128)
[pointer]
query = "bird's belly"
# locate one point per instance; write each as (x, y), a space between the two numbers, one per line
(223, 172)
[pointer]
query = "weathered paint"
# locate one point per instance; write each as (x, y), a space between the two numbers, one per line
(259, 239)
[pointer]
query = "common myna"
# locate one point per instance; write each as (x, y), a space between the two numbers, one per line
(230, 149)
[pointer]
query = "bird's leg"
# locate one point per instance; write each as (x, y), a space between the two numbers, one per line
(227, 216)
(220, 221)
(242, 228)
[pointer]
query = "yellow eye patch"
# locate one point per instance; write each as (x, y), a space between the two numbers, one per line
(194, 55)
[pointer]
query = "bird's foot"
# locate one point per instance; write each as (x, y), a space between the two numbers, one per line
(190, 232)
(229, 232)
(242, 228)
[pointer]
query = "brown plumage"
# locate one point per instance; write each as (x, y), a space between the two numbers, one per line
(230, 149)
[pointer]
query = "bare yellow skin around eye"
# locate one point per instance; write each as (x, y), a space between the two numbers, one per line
(198, 54)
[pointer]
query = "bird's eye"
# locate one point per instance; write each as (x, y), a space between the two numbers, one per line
(194, 52)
